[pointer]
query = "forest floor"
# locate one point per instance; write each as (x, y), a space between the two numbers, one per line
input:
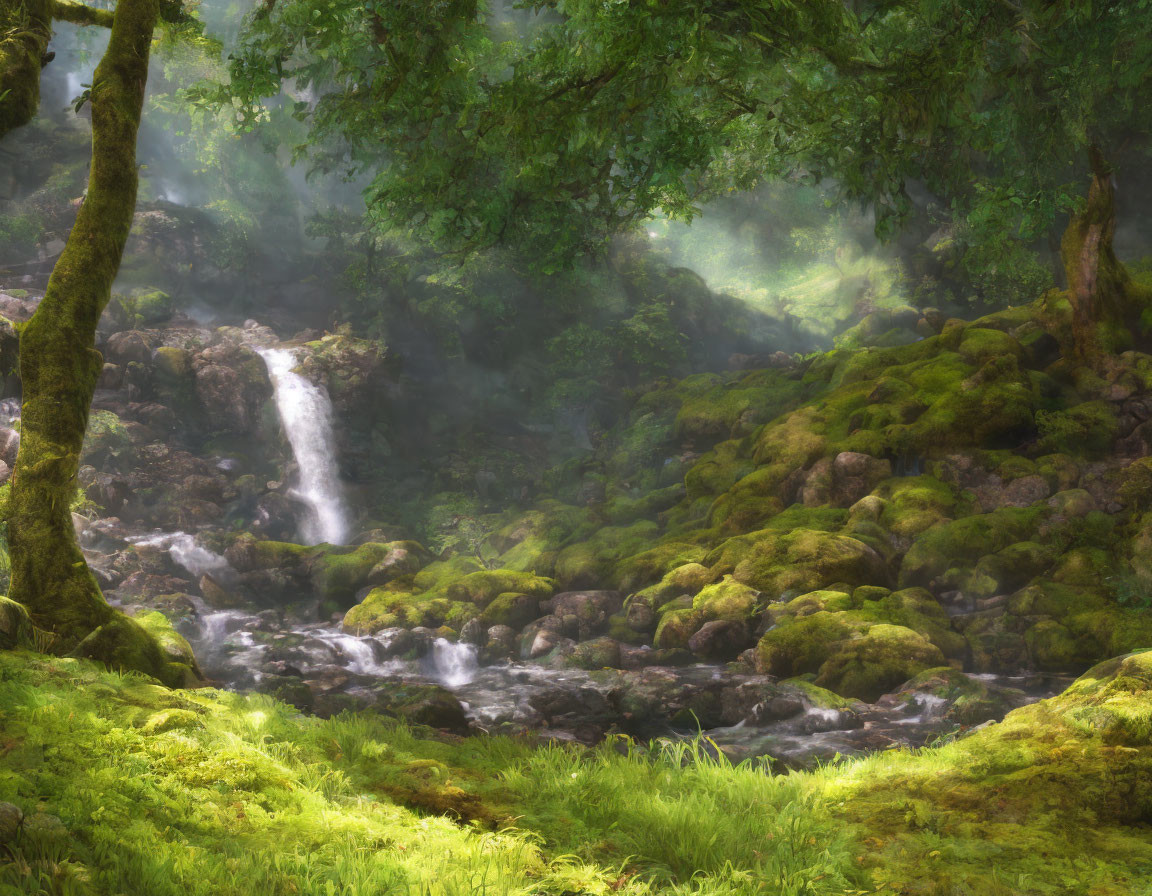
(115, 785)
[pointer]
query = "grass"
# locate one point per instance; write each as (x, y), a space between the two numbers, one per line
(129, 788)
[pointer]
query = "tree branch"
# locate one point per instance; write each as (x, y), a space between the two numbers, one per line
(81, 13)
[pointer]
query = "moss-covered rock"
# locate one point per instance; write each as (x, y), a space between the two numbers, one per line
(512, 609)
(881, 659)
(481, 588)
(599, 653)
(15, 626)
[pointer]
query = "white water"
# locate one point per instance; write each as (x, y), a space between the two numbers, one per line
(454, 664)
(306, 415)
(187, 553)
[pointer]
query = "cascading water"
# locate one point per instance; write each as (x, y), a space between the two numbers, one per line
(306, 415)
(187, 553)
(454, 664)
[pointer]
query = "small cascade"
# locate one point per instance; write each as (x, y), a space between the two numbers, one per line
(306, 415)
(454, 665)
(359, 655)
(186, 552)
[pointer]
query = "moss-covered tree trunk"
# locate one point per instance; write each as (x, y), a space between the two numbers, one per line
(1097, 282)
(25, 29)
(58, 362)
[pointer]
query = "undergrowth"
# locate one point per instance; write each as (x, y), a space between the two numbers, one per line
(129, 788)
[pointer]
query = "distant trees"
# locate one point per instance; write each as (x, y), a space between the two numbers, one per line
(553, 138)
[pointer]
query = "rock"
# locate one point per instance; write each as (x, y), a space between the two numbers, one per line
(15, 626)
(599, 653)
(501, 643)
(883, 658)
(474, 632)
(511, 610)
(9, 445)
(854, 475)
(11, 819)
(590, 609)
(541, 637)
(424, 704)
(129, 346)
(720, 639)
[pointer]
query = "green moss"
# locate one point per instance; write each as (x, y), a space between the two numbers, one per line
(512, 609)
(964, 542)
(797, 561)
(1086, 429)
(882, 659)
(727, 599)
(481, 588)
(798, 645)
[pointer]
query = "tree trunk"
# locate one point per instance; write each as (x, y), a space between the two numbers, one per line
(58, 362)
(1097, 282)
(25, 29)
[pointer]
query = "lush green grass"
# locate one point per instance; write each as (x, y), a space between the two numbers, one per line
(207, 792)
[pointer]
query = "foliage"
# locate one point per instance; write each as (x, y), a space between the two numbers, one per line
(556, 137)
(128, 787)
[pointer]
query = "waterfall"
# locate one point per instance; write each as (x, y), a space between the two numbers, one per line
(454, 664)
(306, 415)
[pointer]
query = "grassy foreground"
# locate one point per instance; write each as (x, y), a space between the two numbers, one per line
(129, 788)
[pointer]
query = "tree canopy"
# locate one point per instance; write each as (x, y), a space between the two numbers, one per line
(553, 136)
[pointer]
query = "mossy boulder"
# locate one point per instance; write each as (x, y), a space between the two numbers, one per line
(599, 653)
(800, 645)
(883, 658)
(15, 626)
(424, 704)
(798, 561)
(152, 306)
(964, 541)
(481, 588)
(727, 599)
(511, 609)
(124, 644)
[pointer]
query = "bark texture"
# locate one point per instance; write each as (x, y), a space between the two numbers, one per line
(58, 362)
(1097, 282)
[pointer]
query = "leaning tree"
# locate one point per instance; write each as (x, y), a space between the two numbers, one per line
(59, 364)
(1015, 113)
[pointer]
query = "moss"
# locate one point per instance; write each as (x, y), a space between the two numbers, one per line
(717, 470)
(1013, 567)
(171, 720)
(512, 609)
(1085, 430)
(599, 653)
(798, 645)
(481, 588)
(727, 599)
(979, 345)
(735, 407)
(660, 562)
(15, 626)
(125, 645)
(964, 542)
(153, 306)
(436, 575)
(590, 564)
(914, 504)
(337, 574)
(798, 561)
(677, 624)
(882, 659)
